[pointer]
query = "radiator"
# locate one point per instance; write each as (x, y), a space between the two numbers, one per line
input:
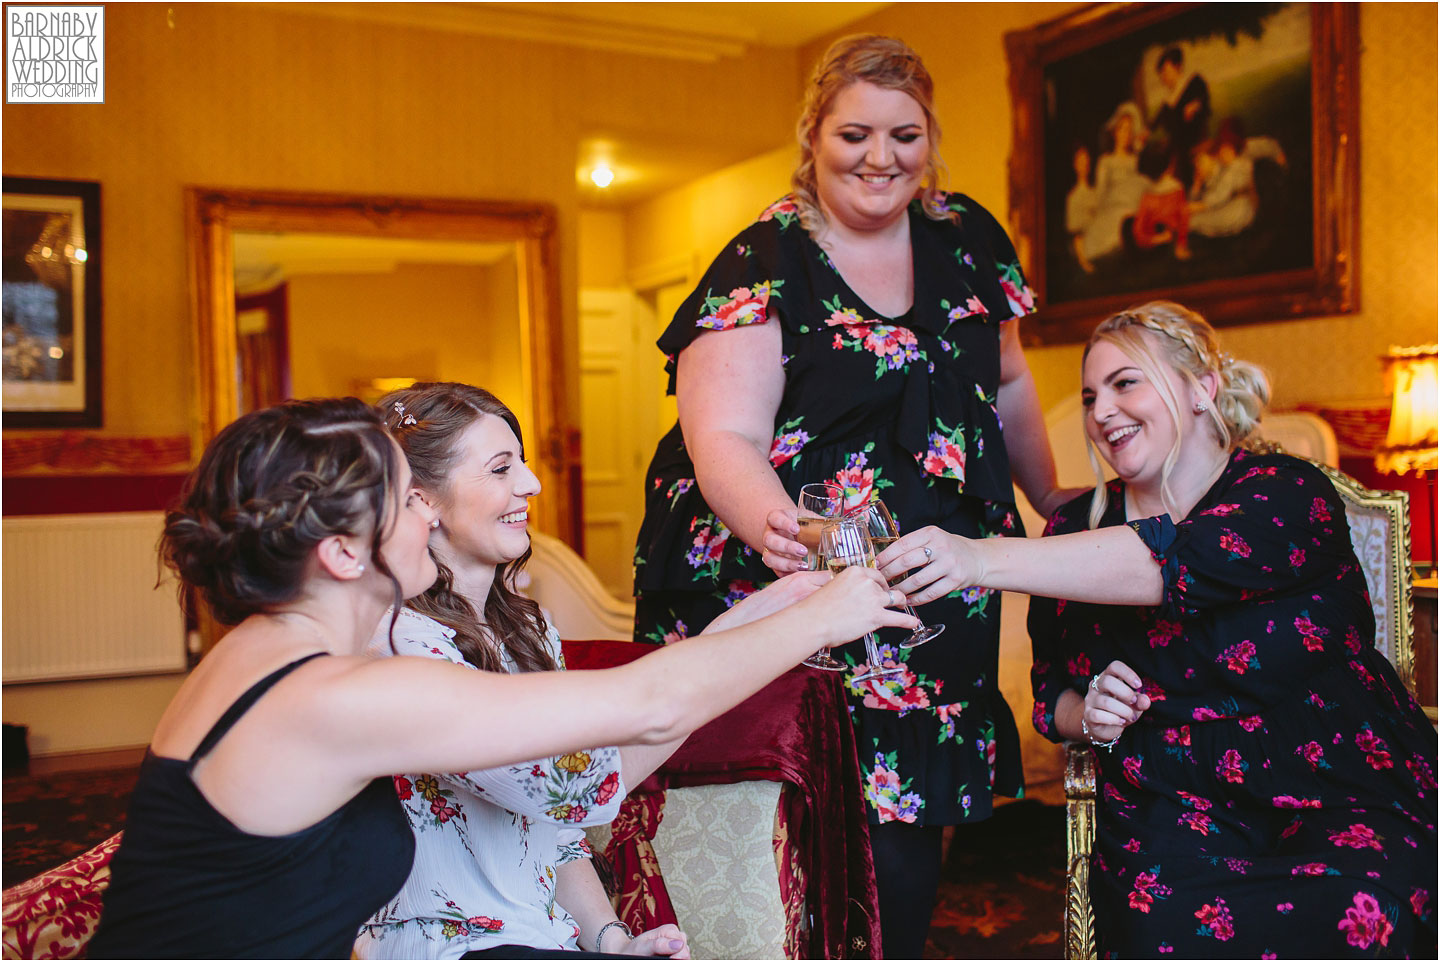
(80, 599)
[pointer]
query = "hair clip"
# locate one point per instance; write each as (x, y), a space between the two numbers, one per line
(405, 419)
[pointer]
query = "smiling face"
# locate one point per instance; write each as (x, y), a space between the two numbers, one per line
(484, 508)
(405, 546)
(1126, 416)
(871, 149)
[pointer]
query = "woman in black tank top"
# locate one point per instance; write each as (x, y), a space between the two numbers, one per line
(264, 823)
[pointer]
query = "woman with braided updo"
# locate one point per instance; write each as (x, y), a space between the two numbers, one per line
(265, 822)
(1267, 783)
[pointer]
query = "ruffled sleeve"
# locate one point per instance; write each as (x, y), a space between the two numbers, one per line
(743, 286)
(1272, 525)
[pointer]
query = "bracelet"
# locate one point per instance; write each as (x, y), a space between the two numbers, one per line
(607, 927)
(1085, 727)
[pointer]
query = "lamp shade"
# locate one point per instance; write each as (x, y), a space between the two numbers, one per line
(1410, 443)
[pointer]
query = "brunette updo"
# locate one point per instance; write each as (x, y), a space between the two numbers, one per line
(269, 488)
(1166, 333)
(428, 420)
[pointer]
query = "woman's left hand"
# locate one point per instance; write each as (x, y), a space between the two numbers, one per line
(665, 940)
(938, 562)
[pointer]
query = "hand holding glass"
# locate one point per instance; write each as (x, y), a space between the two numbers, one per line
(818, 503)
(844, 543)
(884, 532)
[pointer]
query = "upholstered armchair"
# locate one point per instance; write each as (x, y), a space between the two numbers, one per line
(1380, 531)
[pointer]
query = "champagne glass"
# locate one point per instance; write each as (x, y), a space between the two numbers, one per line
(844, 543)
(884, 532)
(818, 503)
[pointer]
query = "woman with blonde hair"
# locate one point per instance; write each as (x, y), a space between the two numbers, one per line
(1265, 782)
(863, 331)
(265, 821)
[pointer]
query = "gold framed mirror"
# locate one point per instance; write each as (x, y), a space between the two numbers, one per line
(537, 394)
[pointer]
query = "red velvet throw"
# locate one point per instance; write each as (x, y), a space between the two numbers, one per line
(796, 731)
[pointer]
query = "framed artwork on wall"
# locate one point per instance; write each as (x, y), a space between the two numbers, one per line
(1205, 153)
(51, 303)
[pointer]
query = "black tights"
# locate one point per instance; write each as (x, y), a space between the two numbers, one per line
(907, 873)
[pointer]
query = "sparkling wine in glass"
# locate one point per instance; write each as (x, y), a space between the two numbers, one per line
(884, 532)
(844, 543)
(819, 503)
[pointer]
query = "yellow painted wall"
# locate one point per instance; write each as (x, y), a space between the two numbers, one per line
(691, 223)
(448, 322)
(601, 239)
(1322, 359)
(248, 95)
(80, 716)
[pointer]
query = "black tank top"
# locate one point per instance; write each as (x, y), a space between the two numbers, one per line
(186, 883)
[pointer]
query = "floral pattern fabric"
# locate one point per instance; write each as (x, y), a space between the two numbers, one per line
(1279, 797)
(487, 843)
(900, 408)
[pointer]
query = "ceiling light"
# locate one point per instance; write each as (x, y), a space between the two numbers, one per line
(602, 176)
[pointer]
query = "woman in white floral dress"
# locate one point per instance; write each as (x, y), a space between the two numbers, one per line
(501, 863)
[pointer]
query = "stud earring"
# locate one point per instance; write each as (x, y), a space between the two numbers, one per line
(434, 523)
(360, 569)
(1201, 408)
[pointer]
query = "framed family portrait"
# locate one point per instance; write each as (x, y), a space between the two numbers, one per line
(51, 303)
(1207, 153)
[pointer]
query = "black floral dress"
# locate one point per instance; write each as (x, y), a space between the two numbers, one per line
(1278, 798)
(902, 408)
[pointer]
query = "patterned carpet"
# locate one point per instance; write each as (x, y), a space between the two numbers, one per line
(1001, 896)
(50, 819)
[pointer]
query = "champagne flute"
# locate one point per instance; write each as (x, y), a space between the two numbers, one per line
(884, 532)
(844, 543)
(818, 503)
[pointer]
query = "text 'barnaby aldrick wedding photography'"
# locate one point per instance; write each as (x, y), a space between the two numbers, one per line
(55, 54)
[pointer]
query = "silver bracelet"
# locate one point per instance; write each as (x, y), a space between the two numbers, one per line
(1085, 727)
(607, 927)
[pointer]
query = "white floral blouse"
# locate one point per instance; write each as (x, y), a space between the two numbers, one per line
(487, 843)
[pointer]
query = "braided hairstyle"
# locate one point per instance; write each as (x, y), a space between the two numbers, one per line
(269, 488)
(1163, 333)
(428, 420)
(887, 63)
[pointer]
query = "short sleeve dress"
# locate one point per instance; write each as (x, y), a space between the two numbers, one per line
(487, 843)
(1279, 796)
(900, 408)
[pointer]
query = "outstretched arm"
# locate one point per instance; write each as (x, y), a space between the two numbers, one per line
(1110, 566)
(638, 761)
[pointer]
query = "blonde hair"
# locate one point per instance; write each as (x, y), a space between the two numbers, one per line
(1165, 333)
(887, 63)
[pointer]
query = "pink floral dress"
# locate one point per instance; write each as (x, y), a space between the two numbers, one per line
(1279, 797)
(903, 408)
(487, 843)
